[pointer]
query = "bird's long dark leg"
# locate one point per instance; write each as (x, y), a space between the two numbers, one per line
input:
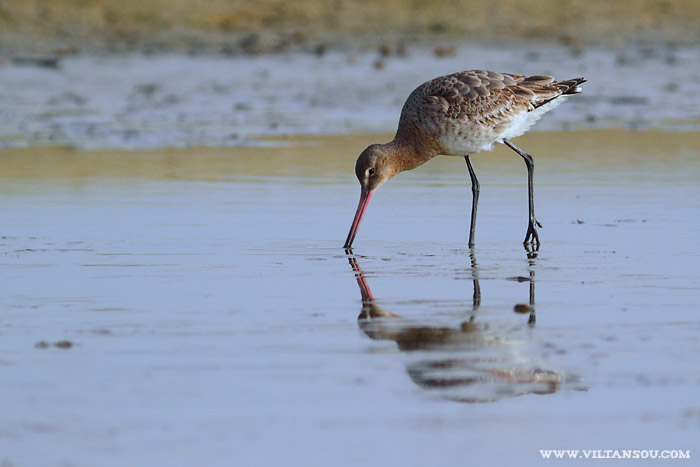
(475, 200)
(532, 236)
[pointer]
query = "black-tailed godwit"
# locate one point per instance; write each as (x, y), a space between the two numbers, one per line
(462, 114)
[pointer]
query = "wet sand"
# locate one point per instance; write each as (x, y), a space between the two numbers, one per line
(212, 315)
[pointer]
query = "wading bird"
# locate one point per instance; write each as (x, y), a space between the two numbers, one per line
(462, 114)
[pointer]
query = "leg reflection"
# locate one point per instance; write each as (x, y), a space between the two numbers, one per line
(531, 270)
(476, 297)
(531, 252)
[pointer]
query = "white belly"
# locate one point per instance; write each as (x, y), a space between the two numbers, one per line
(462, 140)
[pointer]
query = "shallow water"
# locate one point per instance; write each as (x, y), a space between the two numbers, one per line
(213, 315)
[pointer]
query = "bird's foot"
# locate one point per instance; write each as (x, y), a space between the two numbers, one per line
(532, 237)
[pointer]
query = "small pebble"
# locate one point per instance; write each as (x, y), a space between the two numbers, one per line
(445, 51)
(320, 49)
(386, 50)
(65, 344)
(519, 279)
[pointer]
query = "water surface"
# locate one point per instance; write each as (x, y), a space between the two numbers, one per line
(214, 317)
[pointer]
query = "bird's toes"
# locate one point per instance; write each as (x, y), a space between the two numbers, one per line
(532, 237)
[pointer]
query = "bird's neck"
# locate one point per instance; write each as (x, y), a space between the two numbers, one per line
(408, 153)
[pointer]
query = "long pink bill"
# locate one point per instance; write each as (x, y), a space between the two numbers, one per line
(365, 196)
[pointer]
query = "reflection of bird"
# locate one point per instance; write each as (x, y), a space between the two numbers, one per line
(468, 363)
(458, 115)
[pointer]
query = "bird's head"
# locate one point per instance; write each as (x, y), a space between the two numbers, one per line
(376, 165)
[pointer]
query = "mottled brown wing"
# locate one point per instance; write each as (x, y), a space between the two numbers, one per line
(467, 100)
(480, 96)
(488, 97)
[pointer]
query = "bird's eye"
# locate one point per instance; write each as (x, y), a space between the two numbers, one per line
(371, 171)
